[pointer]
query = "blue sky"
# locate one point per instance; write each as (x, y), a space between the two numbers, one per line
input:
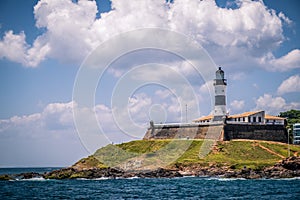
(44, 43)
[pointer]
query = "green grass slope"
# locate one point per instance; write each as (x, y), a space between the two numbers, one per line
(170, 153)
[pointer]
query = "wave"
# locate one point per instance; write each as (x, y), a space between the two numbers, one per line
(33, 179)
(284, 179)
(231, 179)
(222, 179)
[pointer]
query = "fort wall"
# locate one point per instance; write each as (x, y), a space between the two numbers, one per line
(220, 132)
(276, 133)
(187, 132)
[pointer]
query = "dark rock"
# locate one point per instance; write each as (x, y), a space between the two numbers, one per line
(64, 173)
(291, 163)
(287, 168)
(28, 175)
(5, 177)
(158, 173)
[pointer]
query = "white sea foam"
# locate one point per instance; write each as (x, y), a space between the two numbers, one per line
(134, 177)
(93, 179)
(230, 179)
(101, 178)
(82, 179)
(223, 179)
(34, 179)
(286, 179)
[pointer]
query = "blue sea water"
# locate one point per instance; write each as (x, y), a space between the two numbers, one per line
(155, 188)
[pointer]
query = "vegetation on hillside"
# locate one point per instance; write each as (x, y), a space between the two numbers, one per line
(154, 153)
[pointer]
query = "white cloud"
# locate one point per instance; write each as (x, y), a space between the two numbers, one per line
(55, 129)
(138, 103)
(207, 87)
(274, 105)
(55, 116)
(14, 47)
(237, 105)
(287, 62)
(163, 94)
(232, 36)
(237, 76)
(292, 84)
(47, 138)
(285, 18)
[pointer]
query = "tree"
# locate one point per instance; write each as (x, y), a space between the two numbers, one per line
(292, 116)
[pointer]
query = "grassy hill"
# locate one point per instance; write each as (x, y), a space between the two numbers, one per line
(150, 154)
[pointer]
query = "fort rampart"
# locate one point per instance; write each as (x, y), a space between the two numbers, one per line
(220, 132)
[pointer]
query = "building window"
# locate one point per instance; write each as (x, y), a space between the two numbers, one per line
(238, 119)
(243, 119)
(259, 119)
(254, 119)
(249, 119)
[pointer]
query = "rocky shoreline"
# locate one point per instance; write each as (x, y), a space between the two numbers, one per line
(287, 168)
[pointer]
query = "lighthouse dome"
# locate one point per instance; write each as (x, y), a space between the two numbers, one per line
(220, 73)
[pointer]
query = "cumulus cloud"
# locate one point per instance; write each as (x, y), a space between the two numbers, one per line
(55, 124)
(292, 84)
(55, 116)
(207, 87)
(47, 138)
(274, 105)
(237, 105)
(139, 104)
(14, 48)
(71, 30)
(287, 62)
(58, 118)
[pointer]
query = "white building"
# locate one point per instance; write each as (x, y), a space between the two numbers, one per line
(269, 119)
(296, 133)
(253, 117)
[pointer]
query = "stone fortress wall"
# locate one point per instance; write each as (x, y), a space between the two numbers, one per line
(277, 133)
(221, 132)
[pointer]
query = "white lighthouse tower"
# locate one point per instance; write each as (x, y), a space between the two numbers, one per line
(220, 96)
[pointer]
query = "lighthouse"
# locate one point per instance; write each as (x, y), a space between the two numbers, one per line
(220, 96)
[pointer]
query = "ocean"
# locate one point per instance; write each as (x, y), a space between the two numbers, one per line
(152, 188)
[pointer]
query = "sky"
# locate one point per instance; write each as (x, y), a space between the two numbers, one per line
(56, 108)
